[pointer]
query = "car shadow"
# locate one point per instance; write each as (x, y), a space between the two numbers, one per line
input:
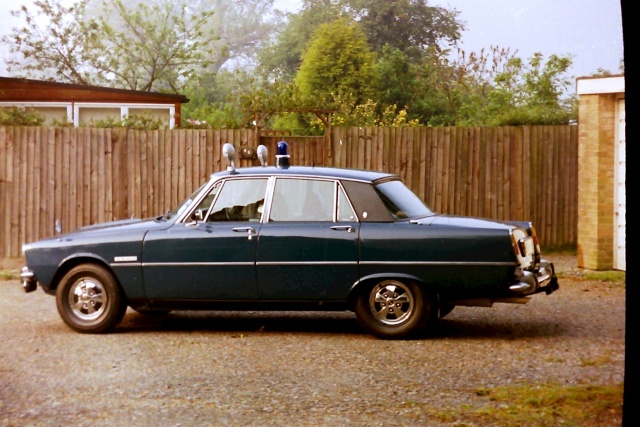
(242, 322)
(329, 323)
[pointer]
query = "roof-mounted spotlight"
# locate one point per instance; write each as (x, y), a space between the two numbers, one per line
(262, 154)
(229, 153)
(282, 155)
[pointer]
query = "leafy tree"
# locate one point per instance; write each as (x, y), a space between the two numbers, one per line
(338, 60)
(242, 27)
(394, 79)
(494, 88)
(152, 48)
(282, 59)
(410, 26)
(61, 48)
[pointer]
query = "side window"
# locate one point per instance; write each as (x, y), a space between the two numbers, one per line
(303, 200)
(239, 200)
(205, 204)
(345, 213)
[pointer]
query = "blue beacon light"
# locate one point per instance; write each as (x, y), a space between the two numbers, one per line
(282, 155)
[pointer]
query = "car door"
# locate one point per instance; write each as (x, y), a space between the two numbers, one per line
(308, 245)
(210, 256)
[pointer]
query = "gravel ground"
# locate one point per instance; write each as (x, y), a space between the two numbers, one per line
(297, 369)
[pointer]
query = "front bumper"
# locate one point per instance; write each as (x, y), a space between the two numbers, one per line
(29, 281)
(542, 279)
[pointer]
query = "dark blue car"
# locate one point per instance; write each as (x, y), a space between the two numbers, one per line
(291, 238)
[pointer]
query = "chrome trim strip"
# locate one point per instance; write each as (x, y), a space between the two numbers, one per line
(268, 263)
(306, 263)
(437, 263)
(190, 264)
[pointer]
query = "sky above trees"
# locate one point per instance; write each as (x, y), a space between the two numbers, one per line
(589, 30)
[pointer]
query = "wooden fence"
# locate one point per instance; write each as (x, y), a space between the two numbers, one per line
(84, 176)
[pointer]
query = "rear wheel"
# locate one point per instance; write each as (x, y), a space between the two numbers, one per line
(393, 309)
(90, 300)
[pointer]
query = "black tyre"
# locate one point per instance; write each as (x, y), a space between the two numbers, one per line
(90, 300)
(393, 309)
(446, 309)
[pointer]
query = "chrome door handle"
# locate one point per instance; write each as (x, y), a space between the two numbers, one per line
(249, 230)
(347, 228)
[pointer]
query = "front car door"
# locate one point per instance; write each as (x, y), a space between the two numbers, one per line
(308, 244)
(211, 255)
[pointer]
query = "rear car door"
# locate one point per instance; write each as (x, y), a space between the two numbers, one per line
(308, 245)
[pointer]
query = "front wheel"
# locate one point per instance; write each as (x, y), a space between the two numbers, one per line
(393, 309)
(90, 300)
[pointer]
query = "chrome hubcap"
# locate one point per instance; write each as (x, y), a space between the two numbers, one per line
(391, 302)
(87, 299)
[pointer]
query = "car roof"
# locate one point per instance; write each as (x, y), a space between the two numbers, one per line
(310, 172)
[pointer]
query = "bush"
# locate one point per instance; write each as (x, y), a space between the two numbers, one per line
(15, 116)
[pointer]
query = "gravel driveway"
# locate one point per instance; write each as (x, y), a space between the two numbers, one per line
(298, 369)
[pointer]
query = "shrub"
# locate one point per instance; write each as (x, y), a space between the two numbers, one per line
(17, 116)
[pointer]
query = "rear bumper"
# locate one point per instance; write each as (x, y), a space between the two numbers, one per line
(542, 279)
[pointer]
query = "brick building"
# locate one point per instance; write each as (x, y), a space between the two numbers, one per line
(601, 173)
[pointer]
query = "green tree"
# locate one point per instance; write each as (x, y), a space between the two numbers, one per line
(493, 87)
(338, 60)
(242, 27)
(61, 48)
(282, 59)
(154, 47)
(410, 26)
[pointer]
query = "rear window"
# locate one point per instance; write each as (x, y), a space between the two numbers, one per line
(401, 202)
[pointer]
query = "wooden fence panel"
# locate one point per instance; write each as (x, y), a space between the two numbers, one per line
(84, 176)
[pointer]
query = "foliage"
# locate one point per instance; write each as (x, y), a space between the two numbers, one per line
(242, 28)
(494, 88)
(156, 47)
(606, 276)
(549, 405)
(281, 59)
(410, 26)
(14, 116)
(60, 48)
(143, 121)
(338, 61)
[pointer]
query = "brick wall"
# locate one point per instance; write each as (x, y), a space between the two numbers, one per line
(596, 160)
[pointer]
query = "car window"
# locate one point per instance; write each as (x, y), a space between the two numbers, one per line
(401, 202)
(303, 200)
(345, 212)
(239, 200)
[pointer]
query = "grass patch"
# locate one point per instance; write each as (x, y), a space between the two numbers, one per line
(8, 275)
(559, 250)
(549, 405)
(606, 276)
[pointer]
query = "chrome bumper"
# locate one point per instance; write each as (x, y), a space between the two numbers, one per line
(29, 282)
(533, 282)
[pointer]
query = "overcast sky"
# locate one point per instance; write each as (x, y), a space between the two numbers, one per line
(590, 31)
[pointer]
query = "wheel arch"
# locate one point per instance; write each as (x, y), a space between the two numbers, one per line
(369, 281)
(77, 259)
